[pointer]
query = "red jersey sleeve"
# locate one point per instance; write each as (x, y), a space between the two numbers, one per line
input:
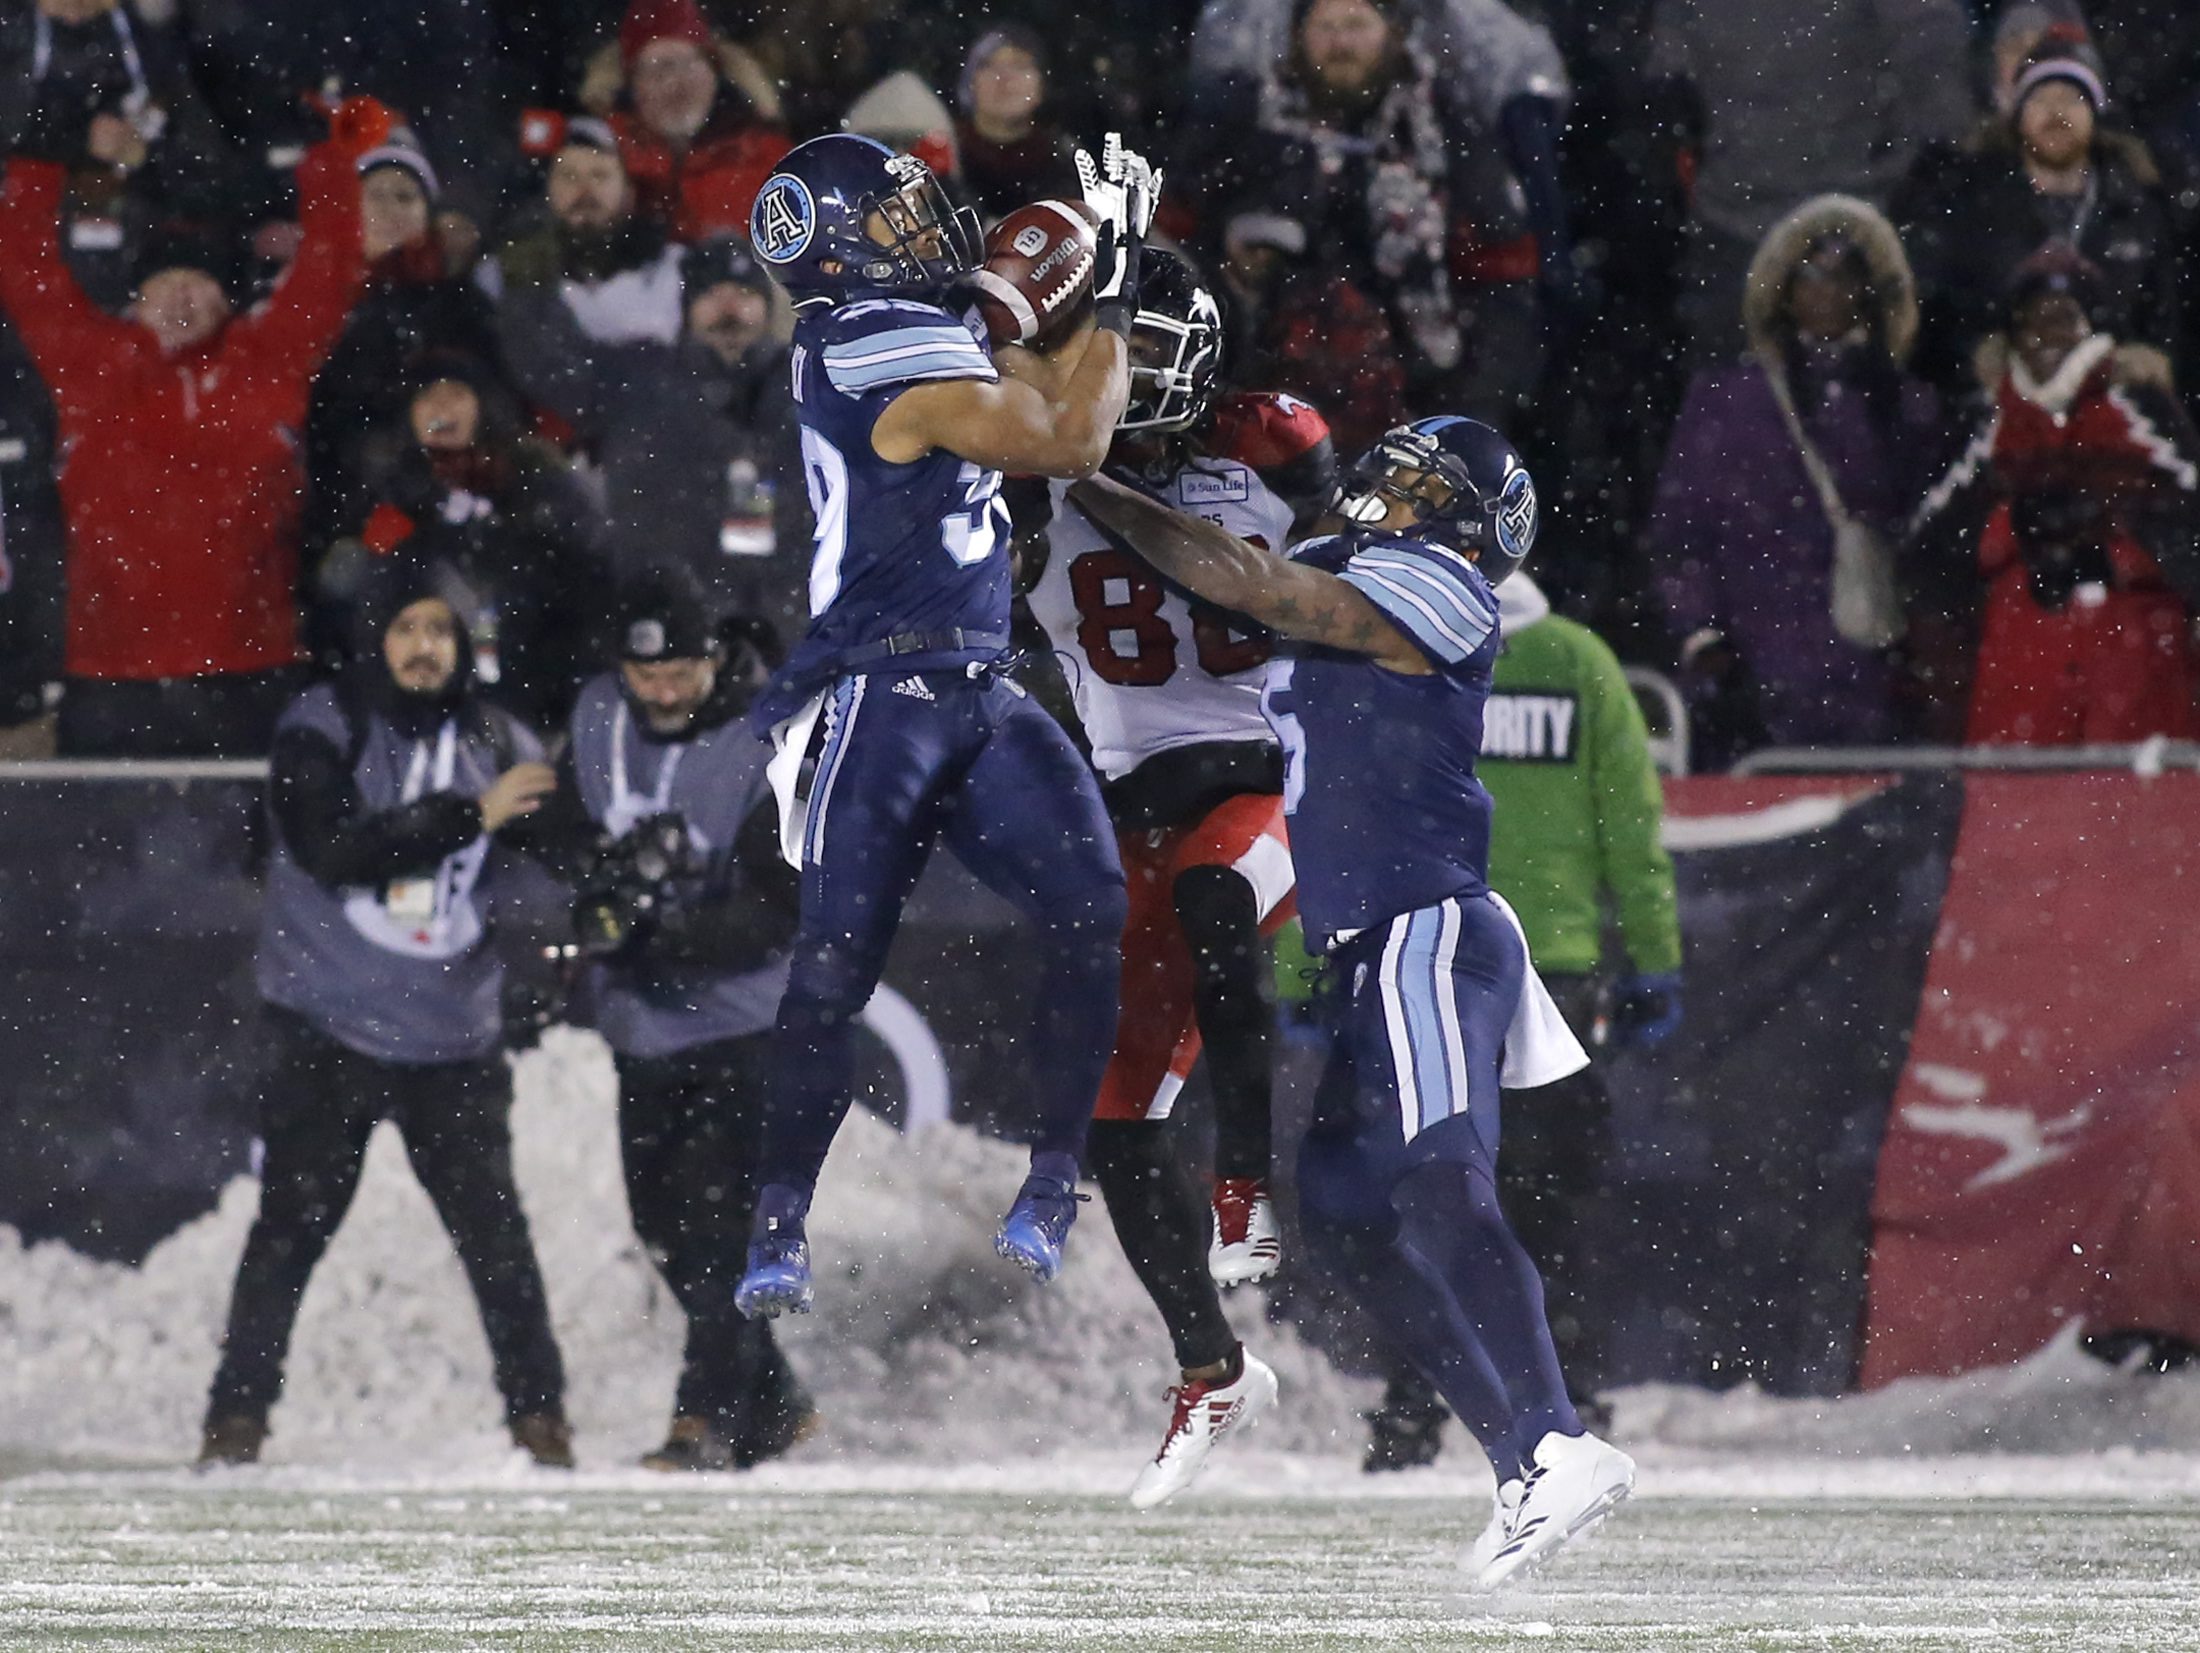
(1284, 440)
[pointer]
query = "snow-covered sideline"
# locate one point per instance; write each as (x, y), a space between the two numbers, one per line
(936, 1366)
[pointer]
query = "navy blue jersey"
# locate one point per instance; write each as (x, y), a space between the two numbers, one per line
(908, 549)
(1386, 814)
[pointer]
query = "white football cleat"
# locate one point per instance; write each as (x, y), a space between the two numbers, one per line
(1205, 1412)
(1248, 1243)
(1504, 1511)
(1576, 1482)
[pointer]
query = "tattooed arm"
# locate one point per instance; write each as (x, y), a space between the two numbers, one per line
(1210, 562)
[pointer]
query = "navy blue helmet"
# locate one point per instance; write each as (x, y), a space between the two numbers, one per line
(1465, 483)
(813, 211)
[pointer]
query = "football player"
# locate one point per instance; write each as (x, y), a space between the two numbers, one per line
(1378, 707)
(896, 690)
(1168, 691)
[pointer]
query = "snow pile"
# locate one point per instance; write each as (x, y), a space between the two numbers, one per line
(929, 1357)
(2059, 1423)
(924, 1345)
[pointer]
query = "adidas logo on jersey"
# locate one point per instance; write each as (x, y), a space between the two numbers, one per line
(915, 688)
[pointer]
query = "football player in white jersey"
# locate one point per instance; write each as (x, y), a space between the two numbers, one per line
(1168, 691)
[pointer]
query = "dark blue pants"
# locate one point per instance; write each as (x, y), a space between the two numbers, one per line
(977, 763)
(1398, 1172)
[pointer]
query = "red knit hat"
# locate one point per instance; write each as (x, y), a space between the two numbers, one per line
(648, 21)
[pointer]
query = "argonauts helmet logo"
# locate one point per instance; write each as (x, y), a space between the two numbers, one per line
(1516, 514)
(784, 220)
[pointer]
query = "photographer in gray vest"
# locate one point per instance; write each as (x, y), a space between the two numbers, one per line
(388, 793)
(683, 912)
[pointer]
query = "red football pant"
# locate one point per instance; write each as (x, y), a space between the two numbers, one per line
(1157, 1040)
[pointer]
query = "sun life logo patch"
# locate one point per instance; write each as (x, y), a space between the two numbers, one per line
(784, 219)
(1516, 519)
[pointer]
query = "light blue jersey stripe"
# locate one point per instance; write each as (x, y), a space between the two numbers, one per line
(1418, 1056)
(906, 353)
(1437, 578)
(936, 364)
(1460, 609)
(847, 698)
(901, 338)
(1414, 612)
(1419, 987)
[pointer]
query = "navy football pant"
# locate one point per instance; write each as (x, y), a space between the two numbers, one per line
(978, 764)
(1397, 1175)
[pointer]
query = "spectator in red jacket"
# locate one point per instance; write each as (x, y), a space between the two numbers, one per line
(697, 146)
(2074, 516)
(182, 481)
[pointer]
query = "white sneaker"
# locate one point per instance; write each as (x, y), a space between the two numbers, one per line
(1248, 1243)
(1577, 1481)
(1205, 1412)
(1504, 1511)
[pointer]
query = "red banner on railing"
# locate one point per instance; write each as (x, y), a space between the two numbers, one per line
(2042, 1161)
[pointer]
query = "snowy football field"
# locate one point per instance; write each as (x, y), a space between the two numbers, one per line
(967, 1489)
(265, 1561)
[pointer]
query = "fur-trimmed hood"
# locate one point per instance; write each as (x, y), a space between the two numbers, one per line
(1893, 286)
(2129, 365)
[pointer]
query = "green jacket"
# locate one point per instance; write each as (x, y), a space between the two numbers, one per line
(1566, 755)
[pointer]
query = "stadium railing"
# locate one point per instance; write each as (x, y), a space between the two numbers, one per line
(2144, 759)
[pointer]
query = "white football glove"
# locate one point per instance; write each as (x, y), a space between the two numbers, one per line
(1122, 189)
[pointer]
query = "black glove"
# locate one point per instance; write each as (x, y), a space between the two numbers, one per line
(2062, 534)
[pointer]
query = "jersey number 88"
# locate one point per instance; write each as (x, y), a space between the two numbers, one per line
(1105, 623)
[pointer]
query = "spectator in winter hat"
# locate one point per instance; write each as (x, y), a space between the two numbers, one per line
(454, 481)
(1011, 153)
(730, 300)
(903, 113)
(695, 440)
(665, 822)
(1361, 140)
(182, 490)
(698, 122)
(613, 264)
(2018, 29)
(417, 299)
(184, 284)
(2051, 171)
(2068, 533)
(393, 795)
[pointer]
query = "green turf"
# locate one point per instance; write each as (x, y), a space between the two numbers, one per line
(150, 1562)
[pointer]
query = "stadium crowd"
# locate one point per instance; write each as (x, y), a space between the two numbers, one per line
(1849, 341)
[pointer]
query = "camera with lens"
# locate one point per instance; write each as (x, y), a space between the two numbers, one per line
(626, 894)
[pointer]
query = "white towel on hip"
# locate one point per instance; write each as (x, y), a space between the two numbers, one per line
(790, 744)
(1540, 1049)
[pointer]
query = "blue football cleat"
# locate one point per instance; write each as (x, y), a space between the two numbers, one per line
(1037, 1224)
(778, 1277)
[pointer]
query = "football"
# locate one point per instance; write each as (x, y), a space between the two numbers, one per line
(1036, 281)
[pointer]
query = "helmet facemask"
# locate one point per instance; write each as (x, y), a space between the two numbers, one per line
(1408, 467)
(931, 241)
(1175, 361)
